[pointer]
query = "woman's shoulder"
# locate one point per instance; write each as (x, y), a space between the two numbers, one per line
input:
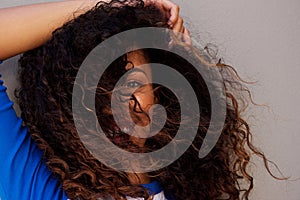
(21, 159)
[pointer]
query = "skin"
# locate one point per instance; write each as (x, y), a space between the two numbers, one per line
(138, 80)
(30, 26)
(144, 95)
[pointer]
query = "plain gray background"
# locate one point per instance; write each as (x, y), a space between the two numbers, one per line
(261, 40)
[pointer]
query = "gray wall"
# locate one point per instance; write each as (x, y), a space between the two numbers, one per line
(259, 38)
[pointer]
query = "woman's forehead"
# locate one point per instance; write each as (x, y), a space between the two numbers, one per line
(139, 61)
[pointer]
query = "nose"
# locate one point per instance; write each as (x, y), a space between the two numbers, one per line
(140, 104)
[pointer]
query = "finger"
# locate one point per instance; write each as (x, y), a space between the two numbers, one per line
(181, 29)
(172, 8)
(178, 25)
(187, 39)
(174, 14)
(187, 34)
(168, 6)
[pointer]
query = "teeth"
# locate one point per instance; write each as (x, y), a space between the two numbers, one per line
(125, 129)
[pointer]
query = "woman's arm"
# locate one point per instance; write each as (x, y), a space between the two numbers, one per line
(23, 172)
(26, 27)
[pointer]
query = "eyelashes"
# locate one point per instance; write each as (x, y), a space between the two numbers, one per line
(131, 81)
(133, 84)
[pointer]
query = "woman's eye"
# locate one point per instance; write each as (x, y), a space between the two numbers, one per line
(133, 84)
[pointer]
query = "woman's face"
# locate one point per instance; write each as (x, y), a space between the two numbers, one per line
(138, 82)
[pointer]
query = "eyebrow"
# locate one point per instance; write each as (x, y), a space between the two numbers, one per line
(137, 70)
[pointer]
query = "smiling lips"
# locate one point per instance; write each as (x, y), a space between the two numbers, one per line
(124, 133)
(120, 134)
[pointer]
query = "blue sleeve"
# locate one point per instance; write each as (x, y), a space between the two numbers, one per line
(23, 174)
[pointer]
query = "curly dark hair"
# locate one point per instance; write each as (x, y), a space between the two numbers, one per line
(47, 76)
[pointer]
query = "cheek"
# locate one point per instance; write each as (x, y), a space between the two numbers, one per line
(145, 97)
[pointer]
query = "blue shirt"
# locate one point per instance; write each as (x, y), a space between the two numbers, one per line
(23, 173)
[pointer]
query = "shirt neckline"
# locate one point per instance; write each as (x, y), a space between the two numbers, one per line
(153, 187)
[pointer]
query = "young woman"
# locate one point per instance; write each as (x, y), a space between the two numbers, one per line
(24, 174)
(60, 166)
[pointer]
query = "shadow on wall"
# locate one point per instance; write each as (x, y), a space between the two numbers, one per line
(9, 71)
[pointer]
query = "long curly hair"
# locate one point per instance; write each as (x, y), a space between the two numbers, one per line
(47, 76)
